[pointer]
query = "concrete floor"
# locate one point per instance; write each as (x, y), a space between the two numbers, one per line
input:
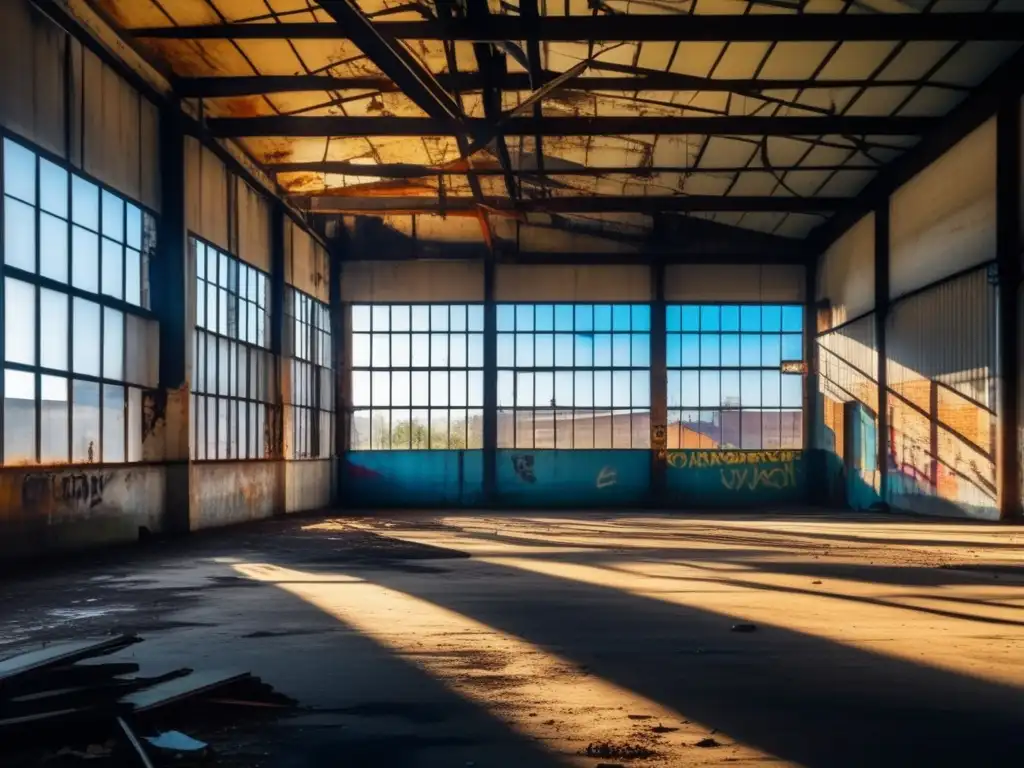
(522, 640)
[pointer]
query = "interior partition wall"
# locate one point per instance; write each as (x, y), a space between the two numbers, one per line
(573, 391)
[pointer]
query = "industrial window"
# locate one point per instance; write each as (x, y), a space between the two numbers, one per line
(417, 376)
(725, 385)
(232, 394)
(79, 340)
(312, 385)
(574, 375)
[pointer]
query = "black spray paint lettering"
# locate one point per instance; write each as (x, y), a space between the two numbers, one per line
(523, 465)
(85, 489)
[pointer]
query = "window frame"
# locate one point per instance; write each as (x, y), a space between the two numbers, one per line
(352, 369)
(267, 363)
(738, 368)
(146, 252)
(320, 446)
(632, 411)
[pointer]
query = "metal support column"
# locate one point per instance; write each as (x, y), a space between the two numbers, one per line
(881, 318)
(1008, 256)
(280, 434)
(170, 288)
(341, 420)
(659, 387)
(490, 452)
(815, 490)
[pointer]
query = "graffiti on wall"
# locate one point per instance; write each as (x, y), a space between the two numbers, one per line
(82, 489)
(744, 470)
(523, 465)
(659, 441)
(607, 477)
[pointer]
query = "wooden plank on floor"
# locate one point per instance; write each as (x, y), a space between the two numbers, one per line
(59, 654)
(181, 688)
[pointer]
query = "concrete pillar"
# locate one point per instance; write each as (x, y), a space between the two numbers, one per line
(815, 487)
(490, 450)
(280, 424)
(167, 409)
(1008, 258)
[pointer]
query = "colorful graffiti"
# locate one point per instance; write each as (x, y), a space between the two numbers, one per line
(735, 476)
(554, 478)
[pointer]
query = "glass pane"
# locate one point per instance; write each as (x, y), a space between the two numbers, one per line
(730, 318)
(621, 349)
(361, 389)
(602, 389)
(360, 317)
(506, 317)
(53, 309)
(602, 350)
(361, 350)
(85, 421)
(475, 320)
(563, 317)
(750, 388)
(792, 346)
(113, 423)
(690, 350)
(524, 390)
(439, 350)
(792, 391)
(709, 318)
(476, 350)
(475, 389)
(438, 317)
(584, 350)
(133, 227)
(113, 217)
(401, 394)
(439, 388)
(85, 203)
(750, 349)
(563, 350)
(750, 318)
(673, 319)
(20, 322)
(771, 318)
(53, 248)
(771, 389)
(401, 356)
(420, 388)
(564, 391)
(506, 390)
(524, 317)
(690, 318)
(730, 349)
(710, 389)
(641, 317)
(673, 350)
(641, 350)
(544, 317)
(458, 350)
(134, 424)
(133, 277)
(381, 318)
(792, 318)
(19, 171)
(583, 394)
(690, 389)
(113, 268)
(771, 350)
(53, 420)
(641, 391)
(584, 318)
(709, 349)
(86, 339)
(85, 260)
(19, 417)
(731, 389)
(113, 344)
(19, 235)
(420, 317)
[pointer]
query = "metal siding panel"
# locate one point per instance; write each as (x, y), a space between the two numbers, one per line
(193, 186)
(944, 219)
(942, 373)
(734, 282)
(48, 85)
(213, 195)
(17, 95)
(846, 273)
(566, 282)
(77, 158)
(149, 163)
(253, 227)
(386, 281)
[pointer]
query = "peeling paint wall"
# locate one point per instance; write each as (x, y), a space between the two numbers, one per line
(307, 265)
(56, 509)
(57, 94)
(231, 492)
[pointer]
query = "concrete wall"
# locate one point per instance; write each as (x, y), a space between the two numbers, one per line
(45, 509)
(846, 273)
(734, 282)
(309, 485)
(557, 282)
(230, 492)
(396, 281)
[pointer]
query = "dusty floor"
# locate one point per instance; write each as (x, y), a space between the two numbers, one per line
(531, 640)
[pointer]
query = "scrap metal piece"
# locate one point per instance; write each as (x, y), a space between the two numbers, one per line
(60, 654)
(172, 691)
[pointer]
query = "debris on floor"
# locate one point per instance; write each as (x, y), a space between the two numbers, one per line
(60, 708)
(707, 743)
(744, 628)
(622, 751)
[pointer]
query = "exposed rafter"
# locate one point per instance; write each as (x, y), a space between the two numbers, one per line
(574, 126)
(579, 204)
(408, 171)
(465, 82)
(639, 27)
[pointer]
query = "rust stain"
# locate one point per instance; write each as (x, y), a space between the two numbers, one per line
(390, 188)
(279, 155)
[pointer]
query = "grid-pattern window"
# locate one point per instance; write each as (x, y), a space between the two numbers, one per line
(574, 375)
(78, 341)
(312, 385)
(417, 376)
(232, 390)
(725, 385)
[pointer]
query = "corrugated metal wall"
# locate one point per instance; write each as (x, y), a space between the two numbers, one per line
(57, 94)
(253, 225)
(848, 362)
(733, 282)
(943, 221)
(846, 273)
(390, 281)
(565, 282)
(942, 373)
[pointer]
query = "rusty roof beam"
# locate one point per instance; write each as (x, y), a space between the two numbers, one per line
(810, 27)
(575, 204)
(394, 61)
(232, 127)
